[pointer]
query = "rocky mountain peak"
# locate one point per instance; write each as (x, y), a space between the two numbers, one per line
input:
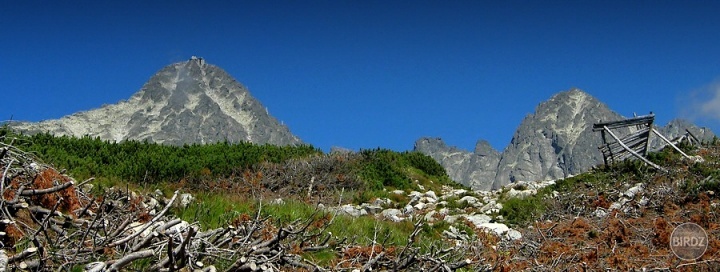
(182, 79)
(569, 113)
(483, 148)
(555, 141)
(183, 103)
(430, 144)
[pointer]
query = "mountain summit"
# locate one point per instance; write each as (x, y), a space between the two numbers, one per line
(555, 142)
(186, 102)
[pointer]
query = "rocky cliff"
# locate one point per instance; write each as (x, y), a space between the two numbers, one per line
(554, 142)
(183, 103)
(473, 169)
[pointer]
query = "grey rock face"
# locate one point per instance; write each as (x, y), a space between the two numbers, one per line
(679, 127)
(184, 103)
(554, 142)
(476, 169)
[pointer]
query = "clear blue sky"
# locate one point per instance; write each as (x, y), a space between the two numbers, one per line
(366, 74)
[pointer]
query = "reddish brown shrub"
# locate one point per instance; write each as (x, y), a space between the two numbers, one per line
(13, 234)
(662, 231)
(601, 201)
(616, 232)
(48, 179)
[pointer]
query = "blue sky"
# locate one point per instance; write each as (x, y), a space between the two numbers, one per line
(366, 74)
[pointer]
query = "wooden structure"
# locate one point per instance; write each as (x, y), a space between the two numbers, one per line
(635, 144)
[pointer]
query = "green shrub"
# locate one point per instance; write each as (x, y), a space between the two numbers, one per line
(323, 257)
(704, 170)
(151, 163)
(664, 156)
(366, 196)
(425, 163)
(383, 168)
(520, 211)
(694, 187)
(455, 203)
(564, 185)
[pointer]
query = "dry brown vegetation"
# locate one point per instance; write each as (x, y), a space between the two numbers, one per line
(573, 236)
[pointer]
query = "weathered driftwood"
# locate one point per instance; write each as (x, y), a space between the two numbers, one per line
(32, 192)
(3, 260)
(124, 261)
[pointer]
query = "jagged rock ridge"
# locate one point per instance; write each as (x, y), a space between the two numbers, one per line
(470, 168)
(554, 142)
(184, 103)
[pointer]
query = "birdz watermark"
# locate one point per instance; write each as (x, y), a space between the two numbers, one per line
(688, 241)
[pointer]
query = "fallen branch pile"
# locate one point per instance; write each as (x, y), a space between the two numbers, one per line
(47, 222)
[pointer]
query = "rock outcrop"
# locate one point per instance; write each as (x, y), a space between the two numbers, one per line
(475, 168)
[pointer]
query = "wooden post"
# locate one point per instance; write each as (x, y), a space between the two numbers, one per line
(608, 146)
(647, 144)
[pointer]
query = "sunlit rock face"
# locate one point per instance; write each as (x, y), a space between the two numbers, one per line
(184, 103)
(556, 141)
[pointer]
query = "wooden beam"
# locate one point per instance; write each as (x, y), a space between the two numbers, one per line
(645, 119)
(670, 143)
(693, 137)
